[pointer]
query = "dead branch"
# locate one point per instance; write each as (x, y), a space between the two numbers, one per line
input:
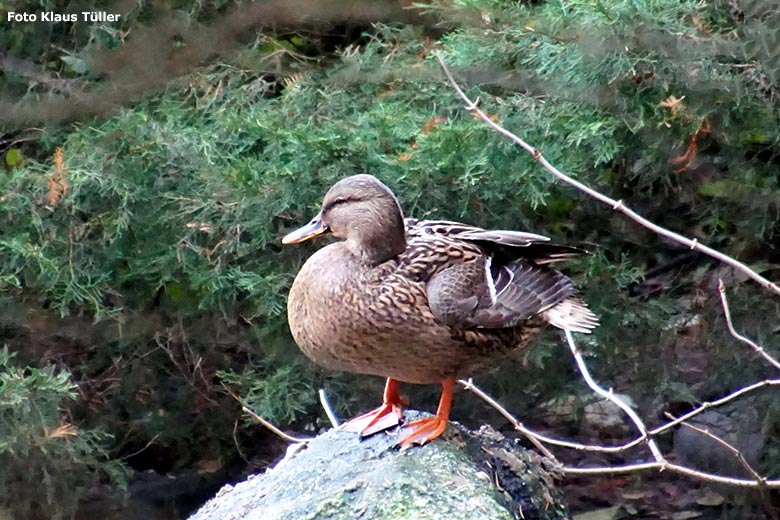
(723, 442)
(531, 434)
(713, 404)
(744, 339)
(674, 468)
(535, 438)
(761, 481)
(610, 396)
(661, 465)
(617, 205)
(273, 428)
(268, 424)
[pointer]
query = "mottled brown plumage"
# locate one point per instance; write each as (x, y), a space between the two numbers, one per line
(421, 301)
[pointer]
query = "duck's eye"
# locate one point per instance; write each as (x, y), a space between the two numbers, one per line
(339, 200)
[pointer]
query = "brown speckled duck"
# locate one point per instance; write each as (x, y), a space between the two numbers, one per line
(420, 301)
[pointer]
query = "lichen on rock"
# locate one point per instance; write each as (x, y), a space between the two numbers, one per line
(462, 475)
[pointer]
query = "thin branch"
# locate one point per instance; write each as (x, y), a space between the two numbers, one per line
(617, 205)
(273, 428)
(264, 422)
(610, 396)
(674, 468)
(334, 421)
(535, 438)
(761, 481)
(738, 454)
(151, 441)
(716, 403)
(236, 443)
(662, 465)
(744, 339)
(519, 426)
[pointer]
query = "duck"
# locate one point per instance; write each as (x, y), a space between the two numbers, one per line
(421, 301)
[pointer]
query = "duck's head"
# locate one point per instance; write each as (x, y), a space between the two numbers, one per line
(365, 213)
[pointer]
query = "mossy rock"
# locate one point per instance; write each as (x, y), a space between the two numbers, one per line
(462, 475)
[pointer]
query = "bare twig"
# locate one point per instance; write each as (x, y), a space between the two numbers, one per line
(617, 205)
(236, 443)
(264, 422)
(610, 396)
(744, 339)
(674, 468)
(470, 386)
(662, 465)
(535, 438)
(273, 428)
(716, 403)
(728, 446)
(151, 441)
(328, 410)
(761, 481)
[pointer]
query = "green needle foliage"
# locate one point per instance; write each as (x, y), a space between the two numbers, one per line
(48, 463)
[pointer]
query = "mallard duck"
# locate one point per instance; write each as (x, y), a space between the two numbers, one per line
(420, 301)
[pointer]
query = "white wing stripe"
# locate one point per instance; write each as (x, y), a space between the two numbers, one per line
(489, 279)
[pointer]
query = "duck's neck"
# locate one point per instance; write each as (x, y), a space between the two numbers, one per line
(380, 243)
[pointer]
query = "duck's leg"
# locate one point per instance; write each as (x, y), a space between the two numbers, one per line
(427, 429)
(386, 416)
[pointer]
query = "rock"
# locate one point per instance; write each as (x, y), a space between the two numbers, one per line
(461, 475)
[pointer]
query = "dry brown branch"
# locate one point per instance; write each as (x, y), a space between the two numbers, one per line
(662, 465)
(57, 184)
(133, 454)
(273, 428)
(610, 396)
(744, 339)
(738, 454)
(761, 481)
(261, 420)
(617, 205)
(470, 386)
(535, 438)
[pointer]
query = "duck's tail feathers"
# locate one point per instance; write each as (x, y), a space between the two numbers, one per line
(572, 314)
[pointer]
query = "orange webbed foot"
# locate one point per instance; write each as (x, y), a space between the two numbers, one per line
(422, 431)
(427, 429)
(387, 416)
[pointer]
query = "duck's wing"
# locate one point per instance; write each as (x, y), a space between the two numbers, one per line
(461, 231)
(495, 279)
(505, 245)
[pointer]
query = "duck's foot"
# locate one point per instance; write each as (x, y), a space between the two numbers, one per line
(422, 431)
(375, 421)
(427, 429)
(387, 416)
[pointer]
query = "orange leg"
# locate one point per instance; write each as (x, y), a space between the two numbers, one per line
(386, 416)
(427, 429)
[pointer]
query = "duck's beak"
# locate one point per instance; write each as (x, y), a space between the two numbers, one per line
(310, 230)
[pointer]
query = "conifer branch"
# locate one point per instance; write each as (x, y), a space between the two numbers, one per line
(617, 205)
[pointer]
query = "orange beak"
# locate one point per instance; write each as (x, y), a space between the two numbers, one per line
(310, 230)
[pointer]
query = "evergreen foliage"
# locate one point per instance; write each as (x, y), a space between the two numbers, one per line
(47, 462)
(162, 222)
